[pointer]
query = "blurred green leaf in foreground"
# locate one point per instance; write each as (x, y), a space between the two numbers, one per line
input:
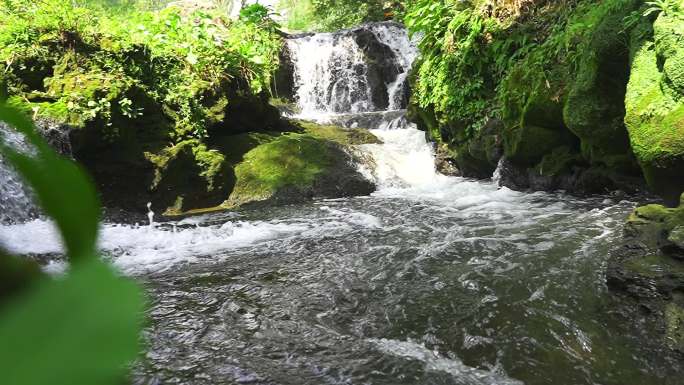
(80, 329)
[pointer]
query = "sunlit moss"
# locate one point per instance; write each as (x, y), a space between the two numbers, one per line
(293, 160)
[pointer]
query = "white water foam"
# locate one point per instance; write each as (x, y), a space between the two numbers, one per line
(329, 75)
(433, 361)
(141, 249)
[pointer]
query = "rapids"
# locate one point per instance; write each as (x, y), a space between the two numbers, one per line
(431, 280)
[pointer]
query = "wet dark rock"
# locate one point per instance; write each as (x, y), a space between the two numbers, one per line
(283, 83)
(382, 65)
(576, 178)
(445, 163)
(57, 135)
(649, 270)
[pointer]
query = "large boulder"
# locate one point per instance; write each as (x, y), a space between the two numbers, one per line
(294, 168)
(594, 110)
(655, 104)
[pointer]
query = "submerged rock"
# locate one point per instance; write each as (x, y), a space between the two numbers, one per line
(649, 268)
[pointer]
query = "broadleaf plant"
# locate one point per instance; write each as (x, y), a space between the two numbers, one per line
(80, 329)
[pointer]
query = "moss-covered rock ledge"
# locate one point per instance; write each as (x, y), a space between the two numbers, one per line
(269, 167)
(298, 162)
(649, 268)
(585, 96)
(295, 167)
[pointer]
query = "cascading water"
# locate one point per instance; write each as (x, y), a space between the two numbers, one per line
(353, 71)
(432, 280)
(358, 78)
(15, 199)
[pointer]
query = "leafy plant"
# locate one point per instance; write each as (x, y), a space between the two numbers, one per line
(83, 328)
(256, 14)
(667, 7)
(330, 15)
(90, 58)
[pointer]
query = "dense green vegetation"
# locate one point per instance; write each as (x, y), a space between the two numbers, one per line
(115, 66)
(330, 15)
(555, 74)
(146, 87)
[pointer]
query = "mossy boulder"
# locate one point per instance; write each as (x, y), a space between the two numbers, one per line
(674, 324)
(594, 110)
(676, 236)
(650, 267)
(295, 168)
(527, 145)
(652, 224)
(343, 136)
(533, 115)
(189, 176)
(478, 157)
(655, 105)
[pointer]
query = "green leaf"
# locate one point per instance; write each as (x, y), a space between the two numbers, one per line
(191, 58)
(61, 187)
(75, 331)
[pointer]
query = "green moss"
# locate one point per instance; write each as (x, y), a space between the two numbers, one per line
(654, 265)
(669, 41)
(189, 176)
(293, 160)
(344, 136)
(674, 323)
(653, 212)
(676, 236)
(653, 224)
(655, 106)
(210, 162)
(527, 145)
(558, 162)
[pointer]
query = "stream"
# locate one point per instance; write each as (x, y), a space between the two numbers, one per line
(431, 280)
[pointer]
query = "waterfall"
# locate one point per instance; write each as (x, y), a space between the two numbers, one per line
(359, 70)
(359, 78)
(15, 198)
(16, 202)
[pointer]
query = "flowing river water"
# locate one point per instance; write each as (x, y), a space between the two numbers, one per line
(431, 280)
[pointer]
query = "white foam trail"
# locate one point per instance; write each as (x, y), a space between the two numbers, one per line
(147, 248)
(140, 249)
(437, 363)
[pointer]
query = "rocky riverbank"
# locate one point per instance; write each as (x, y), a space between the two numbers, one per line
(582, 96)
(649, 268)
